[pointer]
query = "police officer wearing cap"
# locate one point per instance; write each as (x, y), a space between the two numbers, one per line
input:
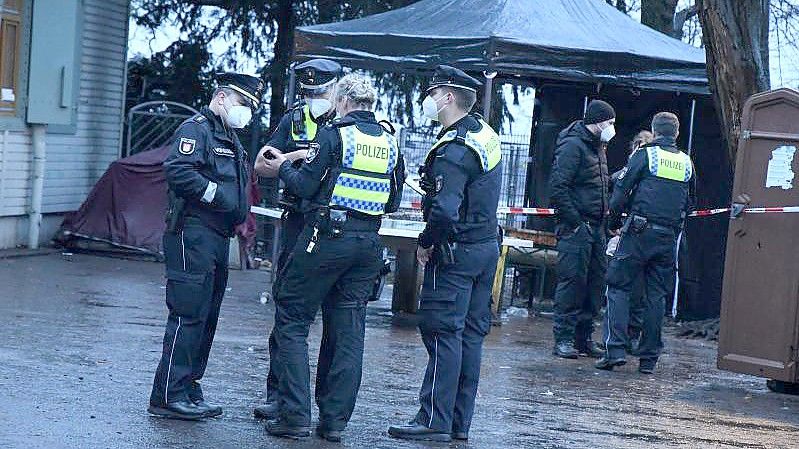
(349, 183)
(293, 137)
(462, 176)
(654, 191)
(207, 174)
(579, 191)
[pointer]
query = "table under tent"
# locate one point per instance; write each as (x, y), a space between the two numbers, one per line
(568, 51)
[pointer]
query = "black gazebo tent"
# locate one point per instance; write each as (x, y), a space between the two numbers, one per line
(569, 51)
(575, 40)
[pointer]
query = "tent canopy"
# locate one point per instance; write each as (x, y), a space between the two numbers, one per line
(575, 40)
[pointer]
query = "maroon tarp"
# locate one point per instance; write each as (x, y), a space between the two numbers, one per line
(127, 206)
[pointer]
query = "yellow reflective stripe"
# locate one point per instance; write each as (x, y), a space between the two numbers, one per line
(667, 165)
(360, 194)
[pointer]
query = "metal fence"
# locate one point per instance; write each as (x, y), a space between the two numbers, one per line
(416, 142)
(152, 124)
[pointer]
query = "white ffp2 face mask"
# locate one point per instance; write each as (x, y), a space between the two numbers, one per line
(237, 116)
(608, 133)
(430, 108)
(319, 106)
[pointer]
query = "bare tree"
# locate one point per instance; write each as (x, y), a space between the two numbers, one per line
(735, 35)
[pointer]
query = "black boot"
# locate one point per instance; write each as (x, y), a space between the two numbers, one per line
(280, 428)
(185, 410)
(565, 350)
(211, 411)
(270, 410)
(647, 366)
(461, 436)
(608, 364)
(334, 436)
(418, 432)
(590, 349)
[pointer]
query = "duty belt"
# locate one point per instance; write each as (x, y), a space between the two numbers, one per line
(657, 227)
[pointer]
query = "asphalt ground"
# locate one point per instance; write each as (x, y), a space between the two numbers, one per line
(81, 336)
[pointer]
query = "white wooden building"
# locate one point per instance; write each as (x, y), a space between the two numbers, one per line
(62, 84)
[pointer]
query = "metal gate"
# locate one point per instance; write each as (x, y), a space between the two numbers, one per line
(151, 124)
(760, 298)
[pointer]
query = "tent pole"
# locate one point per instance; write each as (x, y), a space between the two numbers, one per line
(691, 128)
(292, 83)
(488, 95)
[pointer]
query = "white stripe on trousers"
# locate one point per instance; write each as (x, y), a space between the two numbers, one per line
(676, 276)
(169, 369)
(433, 389)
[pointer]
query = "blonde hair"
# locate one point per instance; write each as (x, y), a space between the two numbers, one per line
(640, 139)
(356, 89)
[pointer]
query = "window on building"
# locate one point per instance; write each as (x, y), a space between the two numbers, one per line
(10, 28)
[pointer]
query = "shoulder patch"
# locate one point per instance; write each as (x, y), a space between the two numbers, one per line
(439, 183)
(186, 145)
(199, 118)
(623, 172)
(313, 151)
(220, 151)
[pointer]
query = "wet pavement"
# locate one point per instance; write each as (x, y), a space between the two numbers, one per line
(81, 337)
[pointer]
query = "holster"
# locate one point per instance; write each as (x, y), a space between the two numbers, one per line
(176, 215)
(635, 224)
(330, 222)
(444, 254)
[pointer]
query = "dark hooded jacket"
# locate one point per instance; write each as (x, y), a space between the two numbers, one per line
(579, 180)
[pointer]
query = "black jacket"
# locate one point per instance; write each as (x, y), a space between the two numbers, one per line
(661, 201)
(204, 154)
(579, 180)
(464, 206)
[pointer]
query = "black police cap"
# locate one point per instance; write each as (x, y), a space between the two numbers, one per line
(249, 87)
(317, 73)
(450, 76)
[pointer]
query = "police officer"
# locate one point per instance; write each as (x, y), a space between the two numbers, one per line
(352, 179)
(293, 137)
(461, 176)
(654, 187)
(207, 173)
(579, 186)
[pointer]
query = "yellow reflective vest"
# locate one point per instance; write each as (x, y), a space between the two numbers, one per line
(367, 163)
(485, 144)
(668, 165)
(303, 128)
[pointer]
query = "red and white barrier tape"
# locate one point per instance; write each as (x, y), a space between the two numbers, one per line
(698, 213)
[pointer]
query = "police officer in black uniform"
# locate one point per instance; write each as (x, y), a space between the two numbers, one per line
(654, 188)
(461, 177)
(293, 137)
(352, 179)
(207, 173)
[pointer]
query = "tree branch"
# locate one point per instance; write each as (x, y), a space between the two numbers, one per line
(681, 17)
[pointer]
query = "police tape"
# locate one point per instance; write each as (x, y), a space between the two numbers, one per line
(538, 211)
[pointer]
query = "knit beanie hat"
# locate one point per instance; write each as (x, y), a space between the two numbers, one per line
(598, 111)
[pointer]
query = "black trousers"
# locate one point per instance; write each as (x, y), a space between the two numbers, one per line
(650, 253)
(196, 272)
(581, 283)
(291, 226)
(339, 273)
(455, 317)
